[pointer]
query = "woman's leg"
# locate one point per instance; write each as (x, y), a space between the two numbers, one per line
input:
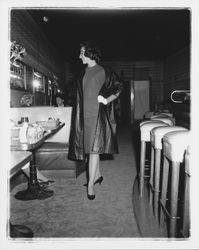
(98, 173)
(94, 172)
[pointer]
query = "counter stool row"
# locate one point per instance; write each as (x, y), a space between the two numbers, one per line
(171, 142)
(145, 129)
(175, 145)
(150, 114)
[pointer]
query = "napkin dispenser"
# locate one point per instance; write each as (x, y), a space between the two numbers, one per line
(23, 133)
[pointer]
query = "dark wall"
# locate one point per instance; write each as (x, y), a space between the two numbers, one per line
(130, 70)
(177, 77)
(176, 72)
(40, 53)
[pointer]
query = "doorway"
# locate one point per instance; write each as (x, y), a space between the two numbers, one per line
(140, 99)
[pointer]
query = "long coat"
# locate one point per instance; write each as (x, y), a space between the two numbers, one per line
(105, 138)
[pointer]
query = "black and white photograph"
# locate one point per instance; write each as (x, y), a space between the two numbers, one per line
(98, 125)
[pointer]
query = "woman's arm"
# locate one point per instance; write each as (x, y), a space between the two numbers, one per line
(114, 87)
(107, 100)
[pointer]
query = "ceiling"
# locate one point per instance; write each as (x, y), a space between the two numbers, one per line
(123, 34)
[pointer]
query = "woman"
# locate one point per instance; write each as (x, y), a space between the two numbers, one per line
(93, 127)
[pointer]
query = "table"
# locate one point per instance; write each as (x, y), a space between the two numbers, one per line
(34, 190)
(18, 160)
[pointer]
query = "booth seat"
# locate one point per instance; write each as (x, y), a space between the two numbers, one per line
(53, 154)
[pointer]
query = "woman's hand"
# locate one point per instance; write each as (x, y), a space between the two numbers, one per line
(101, 99)
(105, 101)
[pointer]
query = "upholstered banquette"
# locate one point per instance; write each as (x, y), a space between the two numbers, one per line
(53, 154)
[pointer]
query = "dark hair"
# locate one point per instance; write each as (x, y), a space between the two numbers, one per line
(91, 50)
(59, 95)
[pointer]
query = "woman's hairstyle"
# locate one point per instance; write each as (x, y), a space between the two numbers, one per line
(91, 50)
(59, 95)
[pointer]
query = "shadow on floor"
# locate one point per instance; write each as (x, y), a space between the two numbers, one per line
(147, 223)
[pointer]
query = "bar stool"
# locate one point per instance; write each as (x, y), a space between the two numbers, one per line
(148, 121)
(148, 114)
(159, 116)
(164, 113)
(186, 214)
(145, 129)
(174, 146)
(169, 120)
(156, 150)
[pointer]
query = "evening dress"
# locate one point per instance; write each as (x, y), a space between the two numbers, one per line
(93, 80)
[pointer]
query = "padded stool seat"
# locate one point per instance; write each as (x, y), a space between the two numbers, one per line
(147, 127)
(169, 120)
(158, 133)
(174, 146)
(163, 114)
(156, 149)
(145, 137)
(147, 121)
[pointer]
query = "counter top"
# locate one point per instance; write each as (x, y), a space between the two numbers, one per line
(18, 160)
(17, 145)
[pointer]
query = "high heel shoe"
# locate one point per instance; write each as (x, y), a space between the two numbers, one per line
(99, 180)
(90, 196)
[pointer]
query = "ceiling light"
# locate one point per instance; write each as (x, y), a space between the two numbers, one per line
(45, 18)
